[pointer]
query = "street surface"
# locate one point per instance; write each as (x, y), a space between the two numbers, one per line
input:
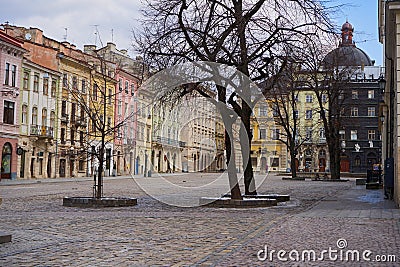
(319, 215)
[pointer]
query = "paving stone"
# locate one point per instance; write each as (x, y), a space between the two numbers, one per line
(155, 234)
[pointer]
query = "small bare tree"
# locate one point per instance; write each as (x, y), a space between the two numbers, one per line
(92, 112)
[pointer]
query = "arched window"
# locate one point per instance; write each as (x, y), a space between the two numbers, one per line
(44, 117)
(34, 115)
(6, 161)
(24, 115)
(52, 119)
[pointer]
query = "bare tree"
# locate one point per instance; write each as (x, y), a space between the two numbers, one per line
(251, 36)
(283, 98)
(92, 126)
(327, 79)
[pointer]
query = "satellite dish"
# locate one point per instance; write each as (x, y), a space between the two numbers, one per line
(28, 36)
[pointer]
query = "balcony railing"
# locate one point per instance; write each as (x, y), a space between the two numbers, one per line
(80, 122)
(169, 141)
(42, 131)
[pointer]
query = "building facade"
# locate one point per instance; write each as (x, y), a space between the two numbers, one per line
(389, 36)
(11, 54)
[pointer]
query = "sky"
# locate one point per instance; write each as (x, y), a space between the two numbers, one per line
(100, 21)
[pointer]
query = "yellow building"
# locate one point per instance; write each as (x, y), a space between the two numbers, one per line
(267, 152)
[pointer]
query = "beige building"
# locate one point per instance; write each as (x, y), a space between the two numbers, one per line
(389, 36)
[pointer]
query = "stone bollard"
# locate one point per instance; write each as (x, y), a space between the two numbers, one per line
(4, 238)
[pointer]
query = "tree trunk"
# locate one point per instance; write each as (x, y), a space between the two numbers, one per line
(245, 142)
(334, 157)
(230, 162)
(293, 166)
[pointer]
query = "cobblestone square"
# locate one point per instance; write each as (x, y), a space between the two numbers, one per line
(155, 234)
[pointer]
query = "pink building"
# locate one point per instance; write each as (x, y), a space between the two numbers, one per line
(126, 115)
(11, 54)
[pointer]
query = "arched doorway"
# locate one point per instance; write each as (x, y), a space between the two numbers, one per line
(322, 160)
(62, 167)
(137, 165)
(371, 160)
(344, 163)
(6, 161)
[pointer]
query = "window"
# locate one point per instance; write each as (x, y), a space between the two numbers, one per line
(371, 94)
(73, 111)
(354, 112)
(324, 98)
(308, 114)
(371, 112)
(341, 95)
(74, 83)
(321, 133)
(371, 135)
(62, 136)
(296, 114)
(263, 134)
(354, 94)
(120, 84)
(353, 135)
(46, 86)
(275, 134)
(119, 108)
(132, 89)
(24, 115)
(52, 119)
(36, 82)
(34, 115)
(81, 165)
(8, 115)
(81, 138)
(63, 108)
(94, 95)
(7, 74)
(342, 134)
(309, 98)
(65, 80)
(309, 133)
(110, 96)
(263, 111)
(84, 86)
(72, 137)
(44, 117)
(126, 87)
(53, 88)
(275, 111)
(357, 161)
(82, 115)
(25, 83)
(13, 75)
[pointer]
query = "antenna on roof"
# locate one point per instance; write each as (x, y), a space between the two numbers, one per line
(66, 34)
(97, 34)
(112, 35)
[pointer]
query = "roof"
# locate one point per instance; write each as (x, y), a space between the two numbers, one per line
(347, 56)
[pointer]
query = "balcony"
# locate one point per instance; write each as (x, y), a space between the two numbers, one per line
(168, 141)
(80, 122)
(64, 118)
(42, 131)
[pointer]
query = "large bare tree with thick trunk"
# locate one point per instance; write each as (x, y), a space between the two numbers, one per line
(251, 36)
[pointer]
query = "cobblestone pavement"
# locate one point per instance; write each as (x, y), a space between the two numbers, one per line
(155, 234)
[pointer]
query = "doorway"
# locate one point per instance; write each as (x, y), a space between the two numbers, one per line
(6, 161)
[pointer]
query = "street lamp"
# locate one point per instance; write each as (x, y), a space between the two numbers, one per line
(382, 118)
(382, 84)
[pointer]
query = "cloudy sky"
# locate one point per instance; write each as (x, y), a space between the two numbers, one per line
(115, 20)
